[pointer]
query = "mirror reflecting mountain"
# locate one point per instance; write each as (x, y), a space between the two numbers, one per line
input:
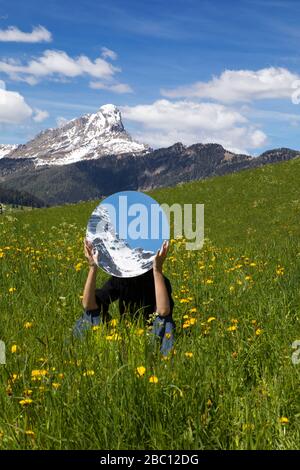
(127, 229)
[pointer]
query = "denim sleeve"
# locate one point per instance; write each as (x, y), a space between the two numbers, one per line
(89, 319)
(164, 329)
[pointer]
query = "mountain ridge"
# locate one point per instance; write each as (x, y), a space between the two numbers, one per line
(108, 160)
(87, 137)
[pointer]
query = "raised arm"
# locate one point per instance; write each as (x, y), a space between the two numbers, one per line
(161, 293)
(89, 298)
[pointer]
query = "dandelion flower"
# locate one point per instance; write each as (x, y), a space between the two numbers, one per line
(26, 401)
(30, 433)
(280, 271)
(28, 325)
(14, 348)
(141, 370)
(39, 373)
(232, 328)
(139, 332)
(78, 267)
(258, 331)
(210, 319)
(55, 385)
(89, 373)
(188, 354)
(283, 420)
(153, 379)
(113, 337)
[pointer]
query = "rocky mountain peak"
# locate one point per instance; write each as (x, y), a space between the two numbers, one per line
(88, 137)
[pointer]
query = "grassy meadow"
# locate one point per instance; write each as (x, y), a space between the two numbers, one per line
(230, 382)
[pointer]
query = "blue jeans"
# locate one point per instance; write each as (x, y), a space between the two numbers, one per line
(163, 328)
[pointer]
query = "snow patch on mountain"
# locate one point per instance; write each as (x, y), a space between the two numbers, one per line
(6, 149)
(86, 138)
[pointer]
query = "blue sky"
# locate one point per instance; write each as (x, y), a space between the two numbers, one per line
(138, 219)
(187, 70)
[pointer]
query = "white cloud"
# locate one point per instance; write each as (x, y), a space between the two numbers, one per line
(116, 88)
(61, 121)
(13, 34)
(241, 85)
(57, 63)
(165, 122)
(108, 53)
(13, 108)
(40, 115)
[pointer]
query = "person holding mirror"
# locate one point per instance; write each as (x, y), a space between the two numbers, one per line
(149, 293)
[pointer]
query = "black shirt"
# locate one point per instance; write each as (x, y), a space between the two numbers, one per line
(136, 295)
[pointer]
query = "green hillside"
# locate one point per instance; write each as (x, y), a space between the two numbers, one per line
(230, 383)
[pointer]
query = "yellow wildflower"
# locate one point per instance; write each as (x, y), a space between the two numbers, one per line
(39, 373)
(184, 301)
(153, 379)
(28, 325)
(232, 328)
(210, 319)
(140, 331)
(89, 373)
(78, 267)
(283, 420)
(113, 337)
(188, 354)
(55, 385)
(141, 370)
(26, 401)
(280, 271)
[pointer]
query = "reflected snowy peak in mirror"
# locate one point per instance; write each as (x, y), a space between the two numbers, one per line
(115, 255)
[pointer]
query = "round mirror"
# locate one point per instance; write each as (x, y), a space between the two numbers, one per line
(126, 230)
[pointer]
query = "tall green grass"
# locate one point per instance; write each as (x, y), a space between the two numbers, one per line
(230, 382)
